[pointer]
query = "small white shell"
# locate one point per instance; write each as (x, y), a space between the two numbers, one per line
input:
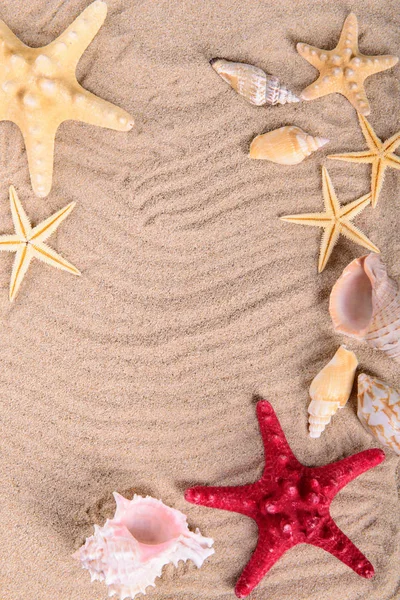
(379, 410)
(252, 83)
(129, 552)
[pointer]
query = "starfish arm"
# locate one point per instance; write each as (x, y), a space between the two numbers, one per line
(22, 261)
(393, 161)
(311, 219)
(20, 219)
(312, 54)
(9, 38)
(263, 558)
(44, 230)
(331, 203)
(10, 243)
(276, 447)
(351, 210)
(332, 478)
(392, 143)
(358, 98)
(355, 235)
(349, 35)
(376, 64)
(377, 177)
(233, 498)
(320, 87)
(51, 257)
(40, 152)
(334, 541)
(357, 157)
(328, 242)
(89, 108)
(373, 142)
(72, 43)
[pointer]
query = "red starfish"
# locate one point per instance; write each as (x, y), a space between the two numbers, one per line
(290, 503)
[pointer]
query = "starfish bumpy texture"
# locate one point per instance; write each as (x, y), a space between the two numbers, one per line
(335, 220)
(28, 242)
(380, 155)
(39, 90)
(344, 69)
(290, 503)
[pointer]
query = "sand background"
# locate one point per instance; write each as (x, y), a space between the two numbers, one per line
(142, 375)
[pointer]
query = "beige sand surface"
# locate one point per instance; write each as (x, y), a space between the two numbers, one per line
(195, 299)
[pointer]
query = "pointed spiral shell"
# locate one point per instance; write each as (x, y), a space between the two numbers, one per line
(252, 83)
(288, 145)
(331, 389)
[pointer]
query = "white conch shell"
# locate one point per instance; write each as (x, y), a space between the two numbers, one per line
(252, 83)
(288, 145)
(331, 389)
(379, 410)
(365, 304)
(131, 549)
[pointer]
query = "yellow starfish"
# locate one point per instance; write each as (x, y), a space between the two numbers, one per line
(344, 69)
(380, 154)
(28, 242)
(335, 220)
(39, 90)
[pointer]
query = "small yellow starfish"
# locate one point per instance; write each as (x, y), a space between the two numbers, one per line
(380, 155)
(28, 242)
(39, 90)
(335, 220)
(344, 69)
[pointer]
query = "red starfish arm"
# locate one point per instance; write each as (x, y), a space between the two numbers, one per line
(333, 540)
(264, 557)
(240, 499)
(276, 447)
(332, 478)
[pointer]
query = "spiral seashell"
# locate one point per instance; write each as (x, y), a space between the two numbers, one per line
(129, 552)
(379, 410)
(365, 304)
(288, 145)
(252, 83)
(331, 389)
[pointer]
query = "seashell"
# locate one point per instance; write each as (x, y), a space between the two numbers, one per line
(252, 83)
(379, 410)
(131, 549)
(365, 304)
(331, 389)
(288, 145)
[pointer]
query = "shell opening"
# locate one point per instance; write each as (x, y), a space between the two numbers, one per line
(150, 529)
(351, 304)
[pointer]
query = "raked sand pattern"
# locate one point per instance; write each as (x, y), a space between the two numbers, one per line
(195, 299)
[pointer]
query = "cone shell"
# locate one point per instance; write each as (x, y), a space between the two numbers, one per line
(132, 548)
(288, 145)
(252, 83)
(365, 304)
(379, 410)
(331, 389)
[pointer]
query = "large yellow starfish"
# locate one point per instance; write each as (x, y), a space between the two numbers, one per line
(335, 220)
(28, 242)
(344, 69)
(39, 90)
(380, 155)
